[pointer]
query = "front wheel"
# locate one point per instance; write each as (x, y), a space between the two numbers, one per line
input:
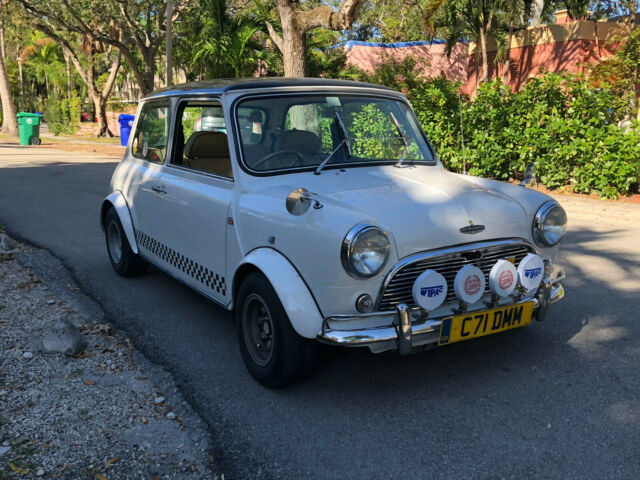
(123, 260)
(273, 352)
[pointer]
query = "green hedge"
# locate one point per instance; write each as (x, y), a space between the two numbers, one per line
(63, 115)
(566, 128)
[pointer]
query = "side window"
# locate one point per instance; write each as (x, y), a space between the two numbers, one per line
(150, 140)
(201, 139)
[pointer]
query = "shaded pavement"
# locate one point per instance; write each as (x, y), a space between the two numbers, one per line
(560, 399)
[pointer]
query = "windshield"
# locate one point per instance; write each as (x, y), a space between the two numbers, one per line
(285, 132)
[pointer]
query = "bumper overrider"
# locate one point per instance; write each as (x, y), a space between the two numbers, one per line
(407, 328)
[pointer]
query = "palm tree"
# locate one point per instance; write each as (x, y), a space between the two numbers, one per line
(229, 45)
(457, 20)
(44, 55)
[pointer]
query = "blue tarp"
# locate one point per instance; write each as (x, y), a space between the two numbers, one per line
(351, 43)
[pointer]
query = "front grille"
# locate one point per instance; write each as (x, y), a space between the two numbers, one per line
(398, 290)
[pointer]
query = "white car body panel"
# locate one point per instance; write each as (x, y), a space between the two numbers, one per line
(117, 200)
(220, 225)
(290, 287)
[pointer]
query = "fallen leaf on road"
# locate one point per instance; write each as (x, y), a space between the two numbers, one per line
(99, 476)
(144, 420)
(113, 461)
(19, 470)
(83, 354)
(88, 381)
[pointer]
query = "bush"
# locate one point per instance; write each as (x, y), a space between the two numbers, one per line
(561, 124)
(62, 115)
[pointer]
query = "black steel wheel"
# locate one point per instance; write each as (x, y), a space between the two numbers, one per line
(123, 260)
(273, 352)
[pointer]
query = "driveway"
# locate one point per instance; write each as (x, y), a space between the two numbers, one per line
(560, 399)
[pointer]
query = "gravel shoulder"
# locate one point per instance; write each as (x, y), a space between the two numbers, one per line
(103, 413)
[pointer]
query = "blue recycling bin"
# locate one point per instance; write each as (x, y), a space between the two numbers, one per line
(126, 122)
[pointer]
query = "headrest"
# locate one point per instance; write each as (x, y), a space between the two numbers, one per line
(302, 141)
(207, 145)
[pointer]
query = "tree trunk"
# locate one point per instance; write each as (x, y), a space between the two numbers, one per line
(294, 42)
(536, 12)
(100, 105)
(3, 49)
(507, 62)
(9, 120)
(69, 83)
(21, 100)
(169, 46)
(477, 55)
(485, 60)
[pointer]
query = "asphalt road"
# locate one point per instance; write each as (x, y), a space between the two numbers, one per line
(559, 399)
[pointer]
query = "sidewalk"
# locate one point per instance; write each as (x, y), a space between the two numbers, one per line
(102, 413)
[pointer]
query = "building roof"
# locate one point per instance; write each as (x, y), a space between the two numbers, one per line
(227, 85)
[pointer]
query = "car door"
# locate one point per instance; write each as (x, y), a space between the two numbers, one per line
(143, 184)
(197, 186)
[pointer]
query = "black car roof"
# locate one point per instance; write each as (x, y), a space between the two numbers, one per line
(227, 85)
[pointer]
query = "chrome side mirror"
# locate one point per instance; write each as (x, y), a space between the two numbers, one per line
(300, 200)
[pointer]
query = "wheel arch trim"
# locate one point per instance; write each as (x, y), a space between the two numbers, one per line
(118, 202)
(295, 296)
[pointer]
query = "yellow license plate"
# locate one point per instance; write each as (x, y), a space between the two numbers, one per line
(478, 324)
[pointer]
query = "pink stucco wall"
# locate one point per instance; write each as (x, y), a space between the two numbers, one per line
(433, 59)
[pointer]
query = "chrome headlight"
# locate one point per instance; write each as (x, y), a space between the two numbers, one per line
(365, 250)
(549, 224)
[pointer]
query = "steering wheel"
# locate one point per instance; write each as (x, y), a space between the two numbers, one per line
(298, 161)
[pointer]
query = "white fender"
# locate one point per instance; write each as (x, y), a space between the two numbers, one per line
(291, 289)
(120, 204)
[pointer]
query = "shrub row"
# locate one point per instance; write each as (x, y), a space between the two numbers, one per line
(63, 115)
(566, 128)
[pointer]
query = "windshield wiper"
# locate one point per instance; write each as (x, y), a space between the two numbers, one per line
(344, 141)
(394, 120)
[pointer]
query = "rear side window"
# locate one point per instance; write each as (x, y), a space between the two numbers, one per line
(201, 139)
(152, 132)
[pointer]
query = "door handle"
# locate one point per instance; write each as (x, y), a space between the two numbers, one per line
(159, 189)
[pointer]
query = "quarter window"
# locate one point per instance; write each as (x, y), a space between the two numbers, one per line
(201, 139)
(150, 140)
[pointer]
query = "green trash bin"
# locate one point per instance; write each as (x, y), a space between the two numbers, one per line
(29, 127)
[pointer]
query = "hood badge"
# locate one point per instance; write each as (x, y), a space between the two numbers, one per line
(471, 228)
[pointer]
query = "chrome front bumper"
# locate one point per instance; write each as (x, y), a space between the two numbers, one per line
(406, 329)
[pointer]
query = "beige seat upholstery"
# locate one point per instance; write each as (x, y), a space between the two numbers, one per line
(301, 141)
(208, 152)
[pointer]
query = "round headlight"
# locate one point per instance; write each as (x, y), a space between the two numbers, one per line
(365, 250)
(549, 224)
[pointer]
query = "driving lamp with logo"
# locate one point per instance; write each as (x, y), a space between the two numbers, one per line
(549, 224)
(365, 250)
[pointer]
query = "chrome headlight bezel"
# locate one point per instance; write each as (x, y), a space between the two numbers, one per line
(350, 242)
(539, 224)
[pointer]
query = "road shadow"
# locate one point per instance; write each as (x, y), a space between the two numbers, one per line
(555, 395)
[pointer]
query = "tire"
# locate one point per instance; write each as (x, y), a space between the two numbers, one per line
(275, 355)
(123, 260)
(36, 141)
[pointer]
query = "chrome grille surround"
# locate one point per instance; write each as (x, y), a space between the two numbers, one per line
(398, 283)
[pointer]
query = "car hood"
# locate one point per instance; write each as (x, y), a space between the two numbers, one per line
(424, 207)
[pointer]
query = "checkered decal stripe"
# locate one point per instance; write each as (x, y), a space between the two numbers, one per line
(202, 274)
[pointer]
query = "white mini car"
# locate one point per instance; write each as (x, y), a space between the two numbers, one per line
(317, 210)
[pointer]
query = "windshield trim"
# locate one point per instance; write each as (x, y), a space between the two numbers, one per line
(395, 96)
